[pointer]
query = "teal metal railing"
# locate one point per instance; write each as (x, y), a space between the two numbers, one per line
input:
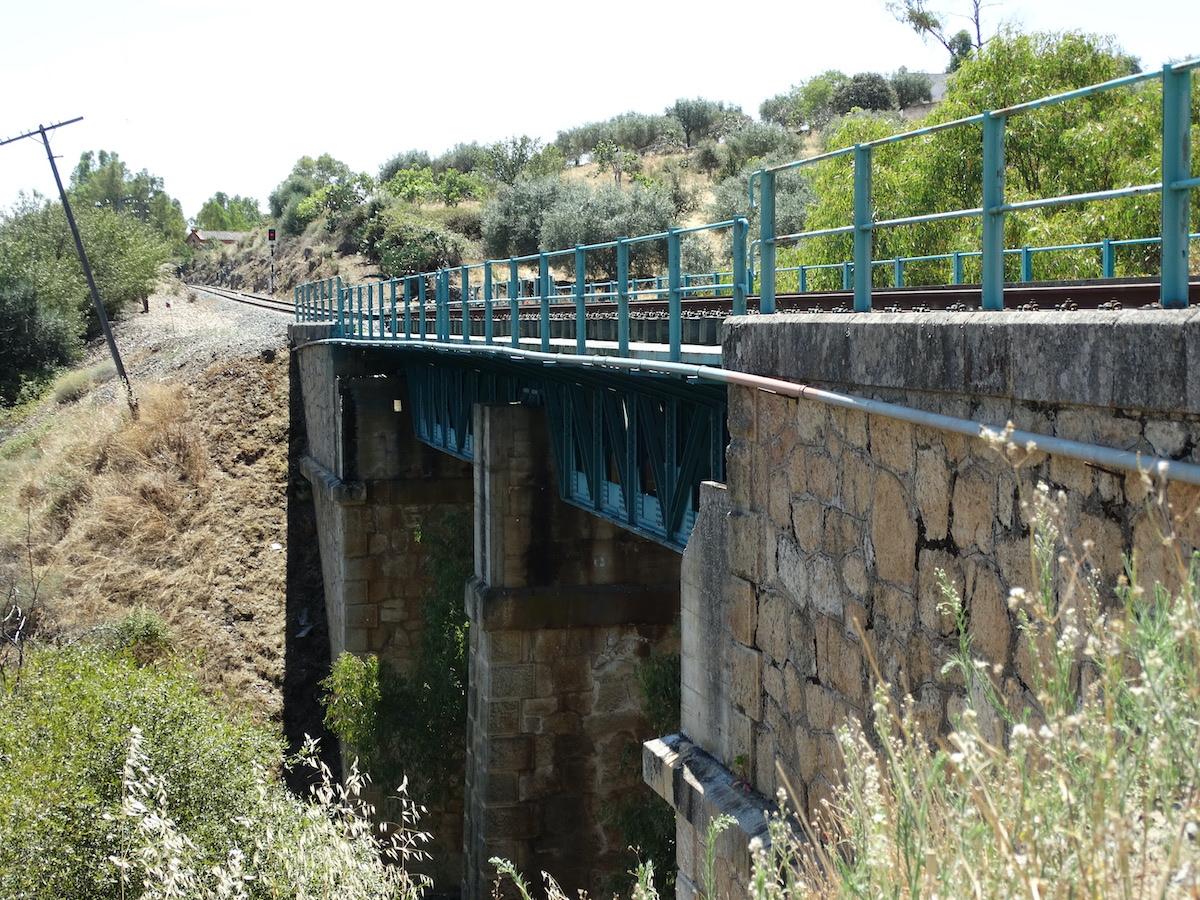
(1175, 187)
(399, 308)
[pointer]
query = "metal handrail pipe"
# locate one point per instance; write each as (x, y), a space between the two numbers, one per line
(1168, 469)
(1077, 93)
(800, 235)
(929, 217)
(1133, 191)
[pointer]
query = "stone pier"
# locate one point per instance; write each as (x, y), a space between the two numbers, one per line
(563, 606)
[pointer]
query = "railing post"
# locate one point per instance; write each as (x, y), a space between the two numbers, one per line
(898, 271)
(622, 297)
(958, 267)
(802, 282)
(443, 304)
(421, 305)
(513, 307)
(741, 229)
(847, 276)
(464, 277)
(358, 319)
(992, 259)
(341, 308)
(327, 293)
(487, 301)
(395, 321)
(1026, 264)
(1176, 166)
(296, 303)
(766, 242)
(370, 310)
(544, 292)
(1108, 265)
(674, 297)
(580, 299)
(408, 293)
(864, 223)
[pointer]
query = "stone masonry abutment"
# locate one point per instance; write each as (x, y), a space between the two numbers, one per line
(825, 542)
(563, 606)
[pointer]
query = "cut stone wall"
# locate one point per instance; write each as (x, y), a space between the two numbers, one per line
(824, 548)
(563, 608)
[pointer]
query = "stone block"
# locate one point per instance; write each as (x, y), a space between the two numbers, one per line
(892, 444)
(974, 509)
(932, 487)
(854, 575)
(807, 522)
(512, 754)
(1166, 437)
(505, 647)
(893, 531)
(826, 589)
(987, 612)
(929, 591)
(773, 683)
(746, 680)
(771, 635)
(742, 610)
(792, 571)
(503, 717)
(839, 660)
(515, 681)
(821, 476)
(895, 609)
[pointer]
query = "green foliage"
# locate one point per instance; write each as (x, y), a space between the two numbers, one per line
(1102, 141)
(636, 131)
(659, 682)
(221, 212)
(866, 90)
(466, 158)
(352, 697)
(808, 103)
(793, 196)
(64, 730)
(414, 724)
(512, 219)
(103, 181)
(70, 386)
(580, 215)
(36, 246)
(412, 185)
(315, 186)
(409, 159)
(911, 88)
(34, 339)
(404, 243)
(508, 160)
(697, 118)
(757, 141)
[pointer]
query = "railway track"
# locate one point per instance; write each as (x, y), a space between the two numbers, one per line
(1048, 296)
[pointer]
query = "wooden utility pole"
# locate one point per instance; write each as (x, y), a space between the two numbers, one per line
(43, 132)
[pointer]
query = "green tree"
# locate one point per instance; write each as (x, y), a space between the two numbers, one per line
(344, 189)
(580, 215)
(508, 160)
(1107, 139)
(911, 88)
(696, 116)
(409, 159)
(512, 219)
(412, 185)
(466, 158)
(866, 90)
(221, 212)
(102, 180)
(929, 23)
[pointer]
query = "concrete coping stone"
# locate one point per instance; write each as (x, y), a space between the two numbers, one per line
(344, 493)
(1139, 359)
(699, 788)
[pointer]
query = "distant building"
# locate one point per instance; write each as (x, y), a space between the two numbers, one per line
(199, 238)
(937, 93)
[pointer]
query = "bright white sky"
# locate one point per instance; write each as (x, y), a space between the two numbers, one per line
(227, 94)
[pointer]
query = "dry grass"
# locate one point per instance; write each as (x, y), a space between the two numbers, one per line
(181, 512)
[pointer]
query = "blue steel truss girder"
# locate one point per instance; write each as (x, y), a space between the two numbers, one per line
(629, 448)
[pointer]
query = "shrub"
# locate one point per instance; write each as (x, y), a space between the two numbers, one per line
(582, 216)
(404, 244)
(34, 339)
(409, 159)
(866, 90)
(122, 780)
(467, 222)
(512, 219)
(414, 723)
(911, 88)
(72, 385)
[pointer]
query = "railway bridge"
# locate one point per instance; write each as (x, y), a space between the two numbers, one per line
(765, 483)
